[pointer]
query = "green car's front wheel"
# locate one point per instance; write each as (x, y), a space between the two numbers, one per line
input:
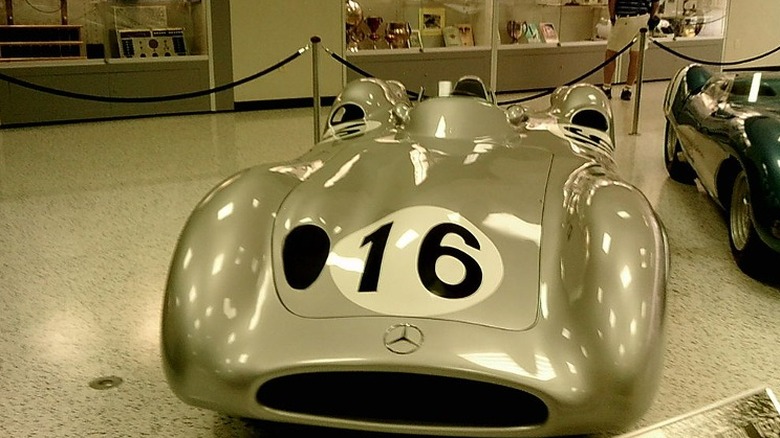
(752, 255)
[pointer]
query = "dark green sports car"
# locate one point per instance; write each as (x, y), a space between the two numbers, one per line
(724, 130)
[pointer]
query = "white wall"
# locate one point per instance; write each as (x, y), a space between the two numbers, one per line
(266, 31)
(753, 28)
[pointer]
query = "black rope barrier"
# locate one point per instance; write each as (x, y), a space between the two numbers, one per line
(718, 63)
(548, 91)
(149, 99)
(362, 72)
(355, 68)
(348, 64)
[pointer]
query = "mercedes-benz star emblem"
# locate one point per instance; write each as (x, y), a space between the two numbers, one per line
(403, 338)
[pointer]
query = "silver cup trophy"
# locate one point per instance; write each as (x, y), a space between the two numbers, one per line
(354, 19)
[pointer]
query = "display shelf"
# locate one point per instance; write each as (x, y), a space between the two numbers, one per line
(39, 42)
(386, 24)
(523, 21)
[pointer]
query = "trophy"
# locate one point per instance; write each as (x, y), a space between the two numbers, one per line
(515, 30)
(374, 23)
(397, 34)
(354, 18)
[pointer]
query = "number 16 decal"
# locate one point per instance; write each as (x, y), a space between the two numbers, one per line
(419, 261)
(431, 250)
(378, 241)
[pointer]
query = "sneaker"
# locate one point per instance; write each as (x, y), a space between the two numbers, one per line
(608, 92)
(625, 94)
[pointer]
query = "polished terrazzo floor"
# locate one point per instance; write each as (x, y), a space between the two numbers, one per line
(90, 213)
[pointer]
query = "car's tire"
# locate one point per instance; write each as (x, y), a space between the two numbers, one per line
(678, 170)
(752, 255)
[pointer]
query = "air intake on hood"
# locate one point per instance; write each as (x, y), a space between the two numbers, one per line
(403, 398)
(304, 255)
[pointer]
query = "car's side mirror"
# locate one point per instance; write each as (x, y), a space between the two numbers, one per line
(401, 113)
(516, 115)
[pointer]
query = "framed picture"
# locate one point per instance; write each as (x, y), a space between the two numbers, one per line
(530, 33)
(415, 40)
(466, 34)
(432, 21)
(451, 36)
(549, 35)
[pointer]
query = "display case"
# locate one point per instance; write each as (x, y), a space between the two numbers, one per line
(414, 24)
(103, 28)
(518, 44)
(419, 42)
(528, 44)
(550, 21)
(692, 18)
(694, 28)
(107, 48)
(545, 43)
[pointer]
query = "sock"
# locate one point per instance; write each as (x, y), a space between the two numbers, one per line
(606, 86)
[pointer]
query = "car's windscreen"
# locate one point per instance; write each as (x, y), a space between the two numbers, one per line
(755, 88)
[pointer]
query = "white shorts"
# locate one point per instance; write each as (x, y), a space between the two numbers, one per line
(624, 30)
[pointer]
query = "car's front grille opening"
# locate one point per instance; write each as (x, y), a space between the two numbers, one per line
(403, 398)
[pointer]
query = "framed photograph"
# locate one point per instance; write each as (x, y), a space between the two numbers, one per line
(530, 33)
(415, 40)
(466, 34)
(549, 35)
(432, 21)
(451, 36)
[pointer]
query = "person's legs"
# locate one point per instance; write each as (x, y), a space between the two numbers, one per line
(633, 67)
(609, 69)
(609, 73)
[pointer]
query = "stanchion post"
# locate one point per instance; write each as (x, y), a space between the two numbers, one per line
(639, 79)
(315, 74)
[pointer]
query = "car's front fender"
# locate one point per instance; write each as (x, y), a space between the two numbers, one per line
(220, 274)
(613, 271)
(761, 162)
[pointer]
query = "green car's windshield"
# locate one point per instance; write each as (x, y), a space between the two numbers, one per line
(755, 88)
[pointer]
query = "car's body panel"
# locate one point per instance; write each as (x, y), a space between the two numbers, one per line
(722, 127)
(513, 249)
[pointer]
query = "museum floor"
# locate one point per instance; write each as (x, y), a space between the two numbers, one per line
(90, 213)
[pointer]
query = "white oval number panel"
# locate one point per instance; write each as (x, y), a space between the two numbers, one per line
(419, 261)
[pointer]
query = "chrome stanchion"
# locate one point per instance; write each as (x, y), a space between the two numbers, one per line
(639, 78)
(315, 70)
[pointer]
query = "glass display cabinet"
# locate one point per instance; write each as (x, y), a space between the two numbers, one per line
(518, 44)
(691, 18)
(419, 42)
(414, 24)
(122, 48)
(550, 21)
(545, 43)
(695, 28)
(54, 29)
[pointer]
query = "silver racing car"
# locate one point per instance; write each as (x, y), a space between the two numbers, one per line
(444, 266)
